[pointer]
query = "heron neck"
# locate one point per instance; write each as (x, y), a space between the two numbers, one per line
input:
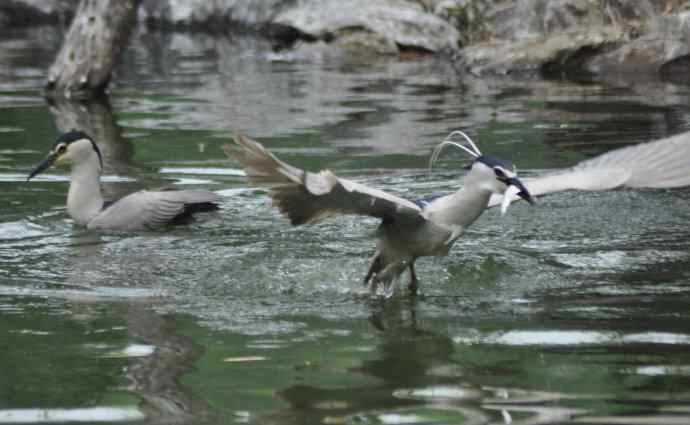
(84, 200)
(461, 208)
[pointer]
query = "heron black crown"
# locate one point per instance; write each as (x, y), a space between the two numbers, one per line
(74, 135)
(492, 162)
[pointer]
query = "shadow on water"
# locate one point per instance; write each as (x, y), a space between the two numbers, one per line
(404, 357)
(155, 377)
(126, 358)
(523, 376)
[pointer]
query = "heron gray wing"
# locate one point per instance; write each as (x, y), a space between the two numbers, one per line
(146, 209)
(663, 163)
(306, 197)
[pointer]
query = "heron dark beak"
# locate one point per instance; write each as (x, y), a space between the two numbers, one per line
(44, 165)
(523, 193)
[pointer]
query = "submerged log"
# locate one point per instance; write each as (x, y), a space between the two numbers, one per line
(97, 36)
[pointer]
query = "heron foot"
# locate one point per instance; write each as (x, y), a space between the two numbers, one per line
(388, 276)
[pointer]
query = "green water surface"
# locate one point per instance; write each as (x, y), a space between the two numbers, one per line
(575, 310)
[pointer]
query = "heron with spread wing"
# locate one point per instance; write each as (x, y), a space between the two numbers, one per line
(408, 230)
(660, 164)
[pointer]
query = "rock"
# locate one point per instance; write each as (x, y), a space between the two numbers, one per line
(383, 26)
(535, 19)
(560, 51)
(665, 42)
(522, 19)
(391, 22)
(189, 12)
(488, 36)
(574, 35)
(468, 16)
(214, 13)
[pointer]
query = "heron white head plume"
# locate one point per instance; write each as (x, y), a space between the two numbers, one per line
(472, 150)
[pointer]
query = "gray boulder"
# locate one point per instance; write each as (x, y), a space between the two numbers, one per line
(600, 37)
(202, 13)
(391, 24)
(562, 51)
(667, 41)
(383, 26)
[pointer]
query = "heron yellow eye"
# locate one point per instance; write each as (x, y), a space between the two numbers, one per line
(62, 149)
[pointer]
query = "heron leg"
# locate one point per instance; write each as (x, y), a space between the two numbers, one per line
(374, 267)
(414, 282)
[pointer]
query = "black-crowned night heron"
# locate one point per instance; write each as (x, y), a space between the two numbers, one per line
(139, 210)
(410, 230)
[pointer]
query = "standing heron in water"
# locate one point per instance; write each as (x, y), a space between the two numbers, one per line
(408, 230)
(429, 227)
(139, 210)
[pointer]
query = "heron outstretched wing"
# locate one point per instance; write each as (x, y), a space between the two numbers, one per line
(663, 163)
(306, 197)
(147, 209)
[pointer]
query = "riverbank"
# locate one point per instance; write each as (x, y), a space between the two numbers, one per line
(622, 38)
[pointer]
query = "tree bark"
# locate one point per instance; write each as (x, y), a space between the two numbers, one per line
(96, 38)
